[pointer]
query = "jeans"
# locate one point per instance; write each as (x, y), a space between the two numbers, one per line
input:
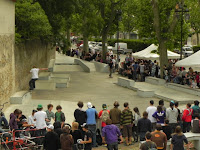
(186, 127)
(4, 120)
(113, 146)
(111, 71)
(92, 128)
(32, 83)
(135, 133)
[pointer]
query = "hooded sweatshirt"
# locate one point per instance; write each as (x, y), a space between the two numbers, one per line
(13, 122)
(177, 141)
(172, 115)
(111, 133)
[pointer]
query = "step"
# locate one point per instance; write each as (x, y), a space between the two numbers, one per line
(156, 81)
(67, 68)
(60, 83)
(60, 76)
(20, 97)
(124, 82)
(145, 93)
(44, 76)
(45, 85)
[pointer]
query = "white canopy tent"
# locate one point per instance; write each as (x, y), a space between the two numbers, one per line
(148, 55)
(191, 61)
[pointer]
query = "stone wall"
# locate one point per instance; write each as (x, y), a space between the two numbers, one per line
(27, 55)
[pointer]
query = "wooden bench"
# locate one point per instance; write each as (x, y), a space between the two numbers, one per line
(156, 81)
(20, 97)
(184, 88)
(124, 82)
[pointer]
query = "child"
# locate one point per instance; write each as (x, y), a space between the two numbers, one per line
(136, 117)
(51, 139)
(87, 137)
(167, 129)
(60, 116)
(195, 124)
(66, 139)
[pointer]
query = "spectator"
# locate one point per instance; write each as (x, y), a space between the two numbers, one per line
(195, 124)
(13, 121)
(142, 75)
(187, 118)
(159, 138)
(60, 116)
(172, 115)
(80, 114)
(76, 134)
(91, 122)
(159, 115)
(161, 103)
(167, 129)
(177, 139)
(50, 114)
(179, 113)
(144, 125)
(110, 135)
(196, 109)
(87, 137)
(40, 117)
(66, 140)
(51, 139)
(4, 120)
(148, 144)
(104, 115)
(31, 118)
(58, 130)
(127, 123)
(136, 118)
(115, 114)
(111, 66)
(151, 110)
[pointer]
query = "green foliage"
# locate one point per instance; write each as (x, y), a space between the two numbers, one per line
(196, 48)
(31, 21)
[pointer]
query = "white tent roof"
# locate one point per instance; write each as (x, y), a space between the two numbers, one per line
(191, 61)
(146, 53)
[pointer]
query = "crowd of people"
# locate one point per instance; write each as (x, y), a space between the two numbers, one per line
(153, 128)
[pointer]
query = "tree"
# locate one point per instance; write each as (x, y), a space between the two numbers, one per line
(31, 21)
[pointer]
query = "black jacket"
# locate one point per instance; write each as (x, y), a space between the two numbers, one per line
(51, 141)
(80, 116)
(58, 130)
(144, 125)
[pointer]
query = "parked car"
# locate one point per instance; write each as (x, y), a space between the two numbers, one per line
(98, 47)
(122, 48)
(187, 50)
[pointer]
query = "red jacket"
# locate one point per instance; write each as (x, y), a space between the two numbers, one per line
(187, 115)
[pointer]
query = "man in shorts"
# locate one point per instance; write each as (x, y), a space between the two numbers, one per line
(127, 123)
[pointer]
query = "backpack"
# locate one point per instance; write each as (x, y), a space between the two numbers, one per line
(151, 146)
(105, 115)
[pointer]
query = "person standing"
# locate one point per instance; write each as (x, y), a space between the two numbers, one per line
(31, 118)
(110, 134)
(50, 114)
(178, 140)
(148, 144)
(151, 110)
(34, 72)
(144, 125)
(127, 123)
(51, 139)
(60, 116)
(115, 114)
(172, 115)
(196, 109)
(111, 66)
(80, 114)
(104, 115)
(76, 134)
(159, 138)
(159, 115)
(187, 118)
(13, 120)
(91, 122)
(136, 118)
(87, 137)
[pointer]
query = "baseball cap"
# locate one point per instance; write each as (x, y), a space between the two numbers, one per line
(84, 126)
(89, 105)
(39, 106)
(50, 127)
(104, 106)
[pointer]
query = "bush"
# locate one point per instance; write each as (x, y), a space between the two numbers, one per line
(196, 48)
(135, 45)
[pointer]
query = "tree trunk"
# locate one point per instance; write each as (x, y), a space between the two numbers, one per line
(163, 56)
(129, 35)
(104, 46)
(85, 43)
(68, 39)
(197, 38)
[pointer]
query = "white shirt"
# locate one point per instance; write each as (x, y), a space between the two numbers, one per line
(40, 117)
(151, 110)
(31, 120)
(114, 62)
(110, 53)
(35, 72)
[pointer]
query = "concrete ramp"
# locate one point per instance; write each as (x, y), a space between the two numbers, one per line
(45, 85)
(67, 68)
(44, 76)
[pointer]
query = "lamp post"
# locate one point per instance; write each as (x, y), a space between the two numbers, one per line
(119, 12)
(181, 8)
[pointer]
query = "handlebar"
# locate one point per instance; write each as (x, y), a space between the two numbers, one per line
(2, 106)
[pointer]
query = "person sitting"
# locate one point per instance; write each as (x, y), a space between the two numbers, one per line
(66, 139)
(4, 120)
(167, 129)
(51, 139)
(195, 124)
(148, 144)
(76, 134)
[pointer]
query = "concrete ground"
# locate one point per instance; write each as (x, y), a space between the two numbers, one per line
(93, 87)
